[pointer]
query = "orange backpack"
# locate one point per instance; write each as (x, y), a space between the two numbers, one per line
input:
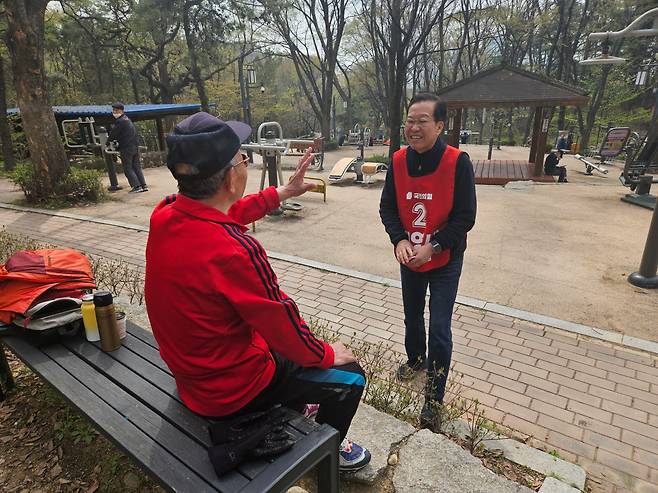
(33, 276)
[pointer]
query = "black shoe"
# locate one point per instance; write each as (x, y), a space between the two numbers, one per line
(144, 188)
(135, 190)
(408, 370)
(429, 416)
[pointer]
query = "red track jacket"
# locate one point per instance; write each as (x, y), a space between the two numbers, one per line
(215, 305)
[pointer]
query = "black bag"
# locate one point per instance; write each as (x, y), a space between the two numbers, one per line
(250, 436)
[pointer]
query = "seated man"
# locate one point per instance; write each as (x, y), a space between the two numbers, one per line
(551, 167)
(233, 340)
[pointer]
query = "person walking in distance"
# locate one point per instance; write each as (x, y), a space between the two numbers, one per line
(125, 133)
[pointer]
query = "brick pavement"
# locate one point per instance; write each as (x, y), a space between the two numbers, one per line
(594, 402)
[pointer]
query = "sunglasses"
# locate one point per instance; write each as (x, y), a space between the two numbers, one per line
(245, 160)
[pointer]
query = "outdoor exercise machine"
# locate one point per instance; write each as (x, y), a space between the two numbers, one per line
(614, 143)
(359, 136)
(364, 171)
(272, 146)
(639, 173)
(93, 142)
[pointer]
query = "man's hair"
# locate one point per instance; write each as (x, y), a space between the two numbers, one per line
(198, 188)
(440, 107)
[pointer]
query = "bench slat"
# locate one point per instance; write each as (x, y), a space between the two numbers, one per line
(146, 351)
(147, 368)
(171, 472)
(142, 334)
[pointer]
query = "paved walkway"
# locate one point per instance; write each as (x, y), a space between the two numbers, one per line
(593, 401)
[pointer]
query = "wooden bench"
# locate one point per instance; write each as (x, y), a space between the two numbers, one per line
(130, 396)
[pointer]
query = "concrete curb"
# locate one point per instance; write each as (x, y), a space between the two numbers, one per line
(575, 328)
(560, 475)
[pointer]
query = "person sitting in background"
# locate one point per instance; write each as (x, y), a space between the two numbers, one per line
(551, 167)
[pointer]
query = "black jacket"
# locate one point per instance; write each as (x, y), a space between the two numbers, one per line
(125, 132)
(462, 216)
(550, 163)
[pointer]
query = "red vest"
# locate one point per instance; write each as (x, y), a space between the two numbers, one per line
(425, 202)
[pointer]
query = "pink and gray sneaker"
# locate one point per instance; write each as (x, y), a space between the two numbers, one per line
(311, 410)
(352, 457)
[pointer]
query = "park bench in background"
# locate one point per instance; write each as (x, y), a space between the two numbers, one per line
(130, 396)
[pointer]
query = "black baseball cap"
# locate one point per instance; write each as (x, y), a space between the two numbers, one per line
(118, 106)
(206, 143)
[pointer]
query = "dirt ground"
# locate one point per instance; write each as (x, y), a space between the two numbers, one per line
(562, 250)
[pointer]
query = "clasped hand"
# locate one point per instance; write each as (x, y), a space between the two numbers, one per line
(413, 256)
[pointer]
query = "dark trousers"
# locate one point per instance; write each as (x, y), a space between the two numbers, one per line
(132, 168)
(443, 283)
(338, 391)
(559, 171)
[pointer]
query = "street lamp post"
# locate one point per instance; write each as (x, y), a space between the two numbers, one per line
(647, 275)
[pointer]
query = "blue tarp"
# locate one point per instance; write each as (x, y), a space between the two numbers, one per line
(137, 111)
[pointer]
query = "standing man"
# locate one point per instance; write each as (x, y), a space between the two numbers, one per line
(125, 133)
(427, 206)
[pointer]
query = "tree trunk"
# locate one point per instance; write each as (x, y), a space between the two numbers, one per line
(25, 40)
(5, 131)
(194, 64)
(561, 118)
(394, 82)
(594, 108)
(133, 77)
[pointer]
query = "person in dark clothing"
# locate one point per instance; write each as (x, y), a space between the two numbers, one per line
(569, 140)
(125, 133)
(551, 167)
(427, 206)
(562, 144)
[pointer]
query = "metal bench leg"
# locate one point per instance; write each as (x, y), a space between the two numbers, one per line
(328, 474)
(5, 373)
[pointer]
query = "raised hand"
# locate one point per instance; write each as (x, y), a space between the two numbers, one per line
(296, 186)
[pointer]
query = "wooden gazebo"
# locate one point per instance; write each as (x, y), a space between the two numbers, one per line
(508, 87)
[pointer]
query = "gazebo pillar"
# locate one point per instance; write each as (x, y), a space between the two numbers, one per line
(535, 135)
(456, 127)
(542, 136)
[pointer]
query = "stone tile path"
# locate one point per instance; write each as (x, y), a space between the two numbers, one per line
(594, 402)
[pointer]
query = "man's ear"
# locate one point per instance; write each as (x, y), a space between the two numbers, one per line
(229, 182)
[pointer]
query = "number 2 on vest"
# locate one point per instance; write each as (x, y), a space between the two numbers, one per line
(421, 211)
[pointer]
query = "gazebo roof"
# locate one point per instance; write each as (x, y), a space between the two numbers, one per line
(504, 86)
(136, 112)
